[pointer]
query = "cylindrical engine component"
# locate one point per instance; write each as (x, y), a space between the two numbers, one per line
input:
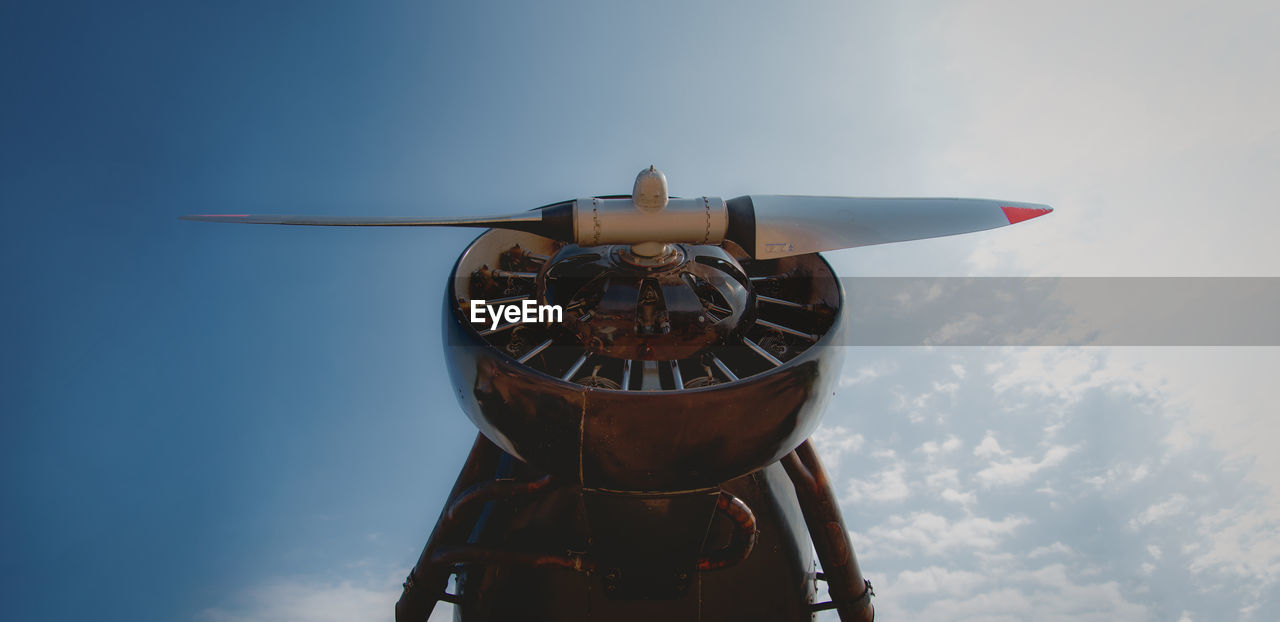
(426, 582)
(850, 592)
(655, 312)
(699, 220)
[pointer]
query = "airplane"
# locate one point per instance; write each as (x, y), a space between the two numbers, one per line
(645, 372)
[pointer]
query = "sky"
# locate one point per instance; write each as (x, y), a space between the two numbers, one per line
(216, 423)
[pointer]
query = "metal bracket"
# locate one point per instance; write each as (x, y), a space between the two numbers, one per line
(858, 602)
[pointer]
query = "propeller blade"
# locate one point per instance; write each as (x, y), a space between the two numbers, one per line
(784, 225)
(362, 221)
(766, 226)
(552, 221)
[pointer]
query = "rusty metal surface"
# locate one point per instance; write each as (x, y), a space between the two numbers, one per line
(648, 313)
(647, 545)
(493, 490)
(850, 593)
(642, 504)
(743, 539)
(426, 582)
(773, 581)
(776, 581)
(648, 440)
(462, 555)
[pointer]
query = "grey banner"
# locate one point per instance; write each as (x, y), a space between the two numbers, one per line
(1058, 311)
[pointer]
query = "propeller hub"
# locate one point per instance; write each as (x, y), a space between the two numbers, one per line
(650, 192)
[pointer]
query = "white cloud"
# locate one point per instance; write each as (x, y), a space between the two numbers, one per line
(931, 448)
(953, 332)
(1180, 437)
(1216, 398)
(1057, 548)
(934, 580)
(948, 388)
(1109, 433)
(927, 402)
(310, 599)
(1140, 473)
(942, 477)
(1020, 470)
(1134, 155)
(887, 485)
(933, 534)
(1244, 542)
(911, 297)
(1118, 476)
(1172, 506)
(833, 443)
(963, 498)
(1067, 374)
(867, 373)
(989, 447)
(1048, 593)
(1134, 159)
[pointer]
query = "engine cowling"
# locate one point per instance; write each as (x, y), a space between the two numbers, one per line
(664, 373)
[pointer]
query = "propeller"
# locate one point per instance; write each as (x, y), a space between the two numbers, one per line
(765, 226)
(787, 225)
(550, 221)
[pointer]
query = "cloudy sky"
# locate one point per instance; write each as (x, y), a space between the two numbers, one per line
(246, 424)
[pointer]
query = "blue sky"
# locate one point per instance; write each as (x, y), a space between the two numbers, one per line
(207, 422)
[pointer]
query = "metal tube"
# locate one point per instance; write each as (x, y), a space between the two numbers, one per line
(780, 302)
(783, 329)
(850, 592)
(568, 376)
(493, 490)
(534, 352)
(449, 557)
(724, 369)
(507, 274)
(755, 347)
(426, 582)
(744, 534)
(489, 331)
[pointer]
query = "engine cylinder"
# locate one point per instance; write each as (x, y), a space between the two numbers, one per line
(649, 309)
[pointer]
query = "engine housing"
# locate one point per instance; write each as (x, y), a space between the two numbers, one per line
(620, 396)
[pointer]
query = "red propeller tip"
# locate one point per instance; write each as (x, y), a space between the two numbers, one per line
(1019, 214)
